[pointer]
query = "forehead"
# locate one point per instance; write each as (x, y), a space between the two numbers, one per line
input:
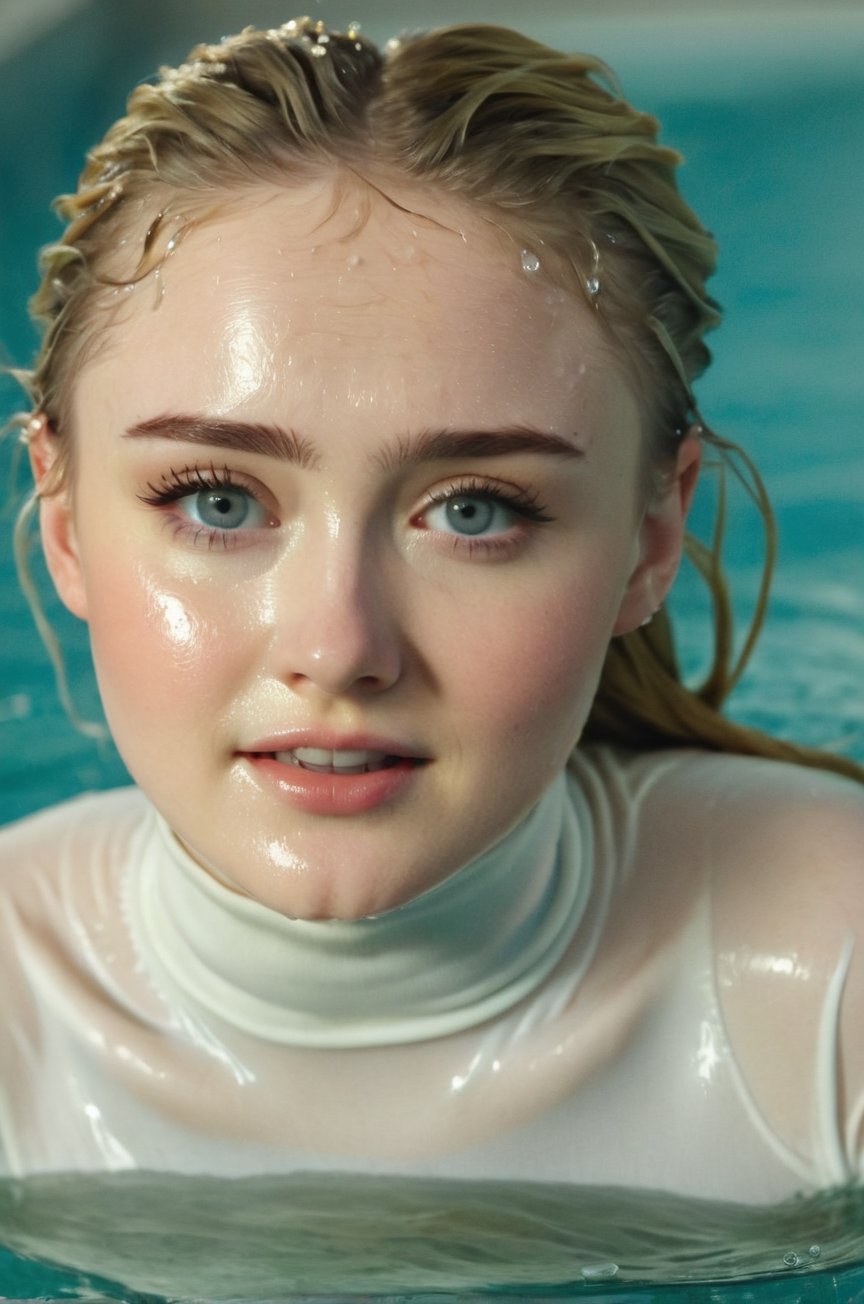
(339, 287)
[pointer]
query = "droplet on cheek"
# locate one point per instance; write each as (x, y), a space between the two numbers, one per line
(530, 262)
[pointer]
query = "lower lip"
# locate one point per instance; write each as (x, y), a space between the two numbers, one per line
(334, 794)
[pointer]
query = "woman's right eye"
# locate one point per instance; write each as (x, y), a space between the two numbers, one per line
(210, 503)
(225, 508)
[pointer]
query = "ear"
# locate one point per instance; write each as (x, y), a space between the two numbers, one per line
(56, 517)
(661, 539)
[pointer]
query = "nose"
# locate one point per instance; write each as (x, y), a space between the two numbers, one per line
(338, 631)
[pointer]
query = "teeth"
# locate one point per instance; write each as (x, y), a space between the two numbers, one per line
(324, 759)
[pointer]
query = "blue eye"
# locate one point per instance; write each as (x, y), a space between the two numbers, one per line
(226, 508)
(208, 504)
(471, 515)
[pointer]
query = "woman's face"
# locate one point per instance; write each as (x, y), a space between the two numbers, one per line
(357, 508)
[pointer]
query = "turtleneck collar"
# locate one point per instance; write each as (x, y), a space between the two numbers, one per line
(461, 953)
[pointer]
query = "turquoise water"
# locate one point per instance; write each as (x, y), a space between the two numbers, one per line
(343, 1236)
(775, 165)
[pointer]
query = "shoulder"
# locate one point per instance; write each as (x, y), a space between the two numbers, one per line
(782, 849)
(744, 812)
(82, 827)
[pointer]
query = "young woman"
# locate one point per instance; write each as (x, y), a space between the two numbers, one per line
(364, 438)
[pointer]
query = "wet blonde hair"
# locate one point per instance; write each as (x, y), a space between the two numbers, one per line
(541, 142)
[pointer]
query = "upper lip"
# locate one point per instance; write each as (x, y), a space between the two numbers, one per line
(331, 740)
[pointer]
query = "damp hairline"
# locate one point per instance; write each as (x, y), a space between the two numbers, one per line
(152, 226)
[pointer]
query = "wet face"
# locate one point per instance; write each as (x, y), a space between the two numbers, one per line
(357, 509)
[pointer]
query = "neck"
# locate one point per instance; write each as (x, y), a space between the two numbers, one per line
(461, 953)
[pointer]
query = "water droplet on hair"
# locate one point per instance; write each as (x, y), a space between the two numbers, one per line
(600, 1271)
(791, 1259)
(592, 285)
(353, 29)
(530, 261)
(318, 50)
(393, 45)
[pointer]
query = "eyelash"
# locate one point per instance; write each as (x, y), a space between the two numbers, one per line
(524, 503)
(177, 484)
(180, 483)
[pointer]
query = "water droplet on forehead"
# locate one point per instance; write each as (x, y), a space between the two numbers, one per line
(530, 261)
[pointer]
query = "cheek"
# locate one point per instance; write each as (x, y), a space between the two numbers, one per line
(531, 673)
(153, 645)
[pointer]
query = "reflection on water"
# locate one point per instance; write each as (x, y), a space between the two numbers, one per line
(131, 1235)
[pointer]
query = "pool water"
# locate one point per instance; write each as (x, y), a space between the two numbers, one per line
(342, 1236)
(774, 164)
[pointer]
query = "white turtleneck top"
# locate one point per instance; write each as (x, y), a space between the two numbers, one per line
(637, 986)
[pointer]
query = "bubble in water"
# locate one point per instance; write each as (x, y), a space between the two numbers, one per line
(530, 261)
(600, 1271)
(815, 1251)
(791, 1259)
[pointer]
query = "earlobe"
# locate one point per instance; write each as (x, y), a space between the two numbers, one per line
(661, 540)
(56, 517)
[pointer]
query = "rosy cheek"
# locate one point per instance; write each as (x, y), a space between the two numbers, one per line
(145, 638)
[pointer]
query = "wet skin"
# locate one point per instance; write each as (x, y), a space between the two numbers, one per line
(435, 523)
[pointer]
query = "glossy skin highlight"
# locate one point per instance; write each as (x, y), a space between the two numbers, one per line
(350, 607)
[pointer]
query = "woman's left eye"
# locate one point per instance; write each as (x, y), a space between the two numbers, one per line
(471, 515)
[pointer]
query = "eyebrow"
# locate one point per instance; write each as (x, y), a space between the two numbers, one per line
(287, 446)
(217, 432)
